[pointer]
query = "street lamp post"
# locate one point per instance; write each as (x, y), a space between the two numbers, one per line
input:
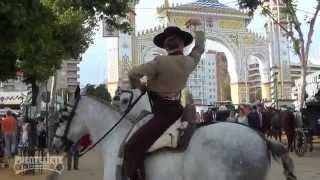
(276, 89)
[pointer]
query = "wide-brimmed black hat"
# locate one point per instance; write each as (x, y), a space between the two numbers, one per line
(159, 39)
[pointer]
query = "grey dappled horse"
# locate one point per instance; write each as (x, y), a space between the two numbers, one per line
(222, 151)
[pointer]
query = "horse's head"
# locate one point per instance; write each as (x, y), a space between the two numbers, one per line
(69, 129)
(125, 99)
(58, 141)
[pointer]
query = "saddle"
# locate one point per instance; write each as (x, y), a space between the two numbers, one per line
(176, 138)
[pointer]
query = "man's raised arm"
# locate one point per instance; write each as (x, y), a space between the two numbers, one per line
(198, 29)
(199, 46)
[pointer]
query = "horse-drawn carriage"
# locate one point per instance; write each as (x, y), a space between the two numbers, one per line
(309, 128)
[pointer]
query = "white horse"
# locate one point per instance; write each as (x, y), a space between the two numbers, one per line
(222, 151)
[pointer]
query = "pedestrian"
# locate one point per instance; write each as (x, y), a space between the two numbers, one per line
(42, 136)
(198, 118)
(232, 116)
(25, 133)
(74, 151)
(202, 116)
(1, 142)
(254, 119)
(242, 118)
(73, 156)
(9, 128)
(260, 113)
(77, 92)
(208, 116)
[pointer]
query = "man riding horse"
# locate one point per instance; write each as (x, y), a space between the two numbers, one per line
(166, 77)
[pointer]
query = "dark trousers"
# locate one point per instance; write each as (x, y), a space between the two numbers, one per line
(166, 112)
(75, 157)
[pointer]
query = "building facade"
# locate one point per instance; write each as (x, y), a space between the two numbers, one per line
(295, 75)
(121, 56)
(312, 87)
(257, 70)
(254, 80)
(222, 78)
(202, 82)
(13, 93)
(68, 77)
(295, 70)
(279, 49)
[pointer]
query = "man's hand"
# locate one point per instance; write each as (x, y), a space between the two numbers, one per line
(192, 23)
(143, 88)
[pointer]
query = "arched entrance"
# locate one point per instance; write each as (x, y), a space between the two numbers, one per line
(258, 78)
(225, 26)
(225, 68)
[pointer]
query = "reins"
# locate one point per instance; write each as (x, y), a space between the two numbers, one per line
(72, 113)
(114, 126)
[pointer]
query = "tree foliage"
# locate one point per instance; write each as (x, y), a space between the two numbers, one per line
(301, 41)
(42, 33)
(100, 92)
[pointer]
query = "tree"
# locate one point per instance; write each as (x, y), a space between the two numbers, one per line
(100, 92)
(42, 33)
(90, 89)
(301, 42)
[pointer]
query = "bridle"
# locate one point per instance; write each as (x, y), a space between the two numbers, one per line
(132, 103)
(69, 118)
(121, 91)
(68, 142)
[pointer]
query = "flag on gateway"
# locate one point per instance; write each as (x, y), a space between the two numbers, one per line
(125, 53)
(108, 30)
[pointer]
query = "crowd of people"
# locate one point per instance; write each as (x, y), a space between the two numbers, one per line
(251, 116)
(18, 137)
(15, 136)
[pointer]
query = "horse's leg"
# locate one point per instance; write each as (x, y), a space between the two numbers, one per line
(279, 134)
(289, 141)
(269, 135)
(273, 134)
(289, 137)
(293, 140)
(311, 144)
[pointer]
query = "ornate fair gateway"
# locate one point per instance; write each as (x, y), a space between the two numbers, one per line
(224, 25)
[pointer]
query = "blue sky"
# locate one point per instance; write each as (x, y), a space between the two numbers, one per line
(94, 61)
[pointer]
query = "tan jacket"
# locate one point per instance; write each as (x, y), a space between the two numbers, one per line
(169, 74)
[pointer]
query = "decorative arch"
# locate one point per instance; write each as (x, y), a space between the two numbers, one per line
(263, 63)
(232, 47)
(224, 25)
(264, 70)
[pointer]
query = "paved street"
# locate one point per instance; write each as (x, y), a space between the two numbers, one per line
(307, 168)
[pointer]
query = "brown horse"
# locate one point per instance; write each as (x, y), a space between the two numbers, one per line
(277, 121)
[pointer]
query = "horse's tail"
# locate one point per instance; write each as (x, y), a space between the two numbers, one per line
(279, 151)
